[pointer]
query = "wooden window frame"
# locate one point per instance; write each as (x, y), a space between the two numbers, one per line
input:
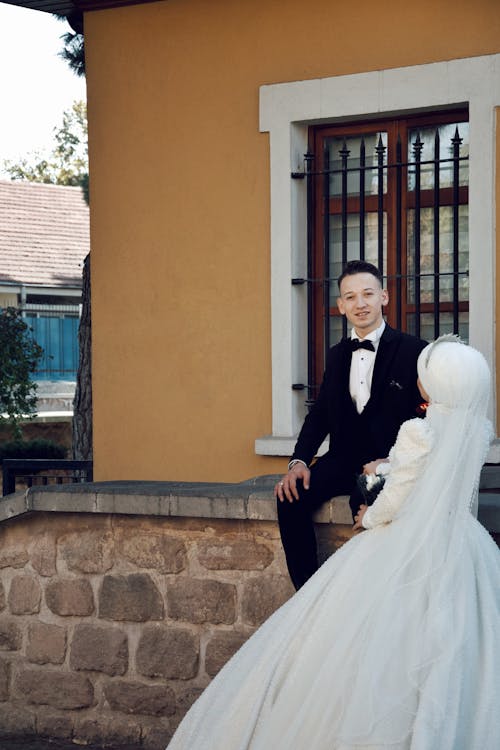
(400, 125)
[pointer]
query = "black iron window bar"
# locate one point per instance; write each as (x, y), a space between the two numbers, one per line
(310, 173)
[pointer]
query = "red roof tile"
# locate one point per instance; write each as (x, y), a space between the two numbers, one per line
(44, 234)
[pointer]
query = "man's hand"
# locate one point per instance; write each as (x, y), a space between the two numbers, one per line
(287, 488)
(370, 467)
(359, 517)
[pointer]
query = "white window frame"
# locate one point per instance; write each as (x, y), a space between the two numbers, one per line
(287, 110)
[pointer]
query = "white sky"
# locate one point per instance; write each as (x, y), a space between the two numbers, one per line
(36, 85)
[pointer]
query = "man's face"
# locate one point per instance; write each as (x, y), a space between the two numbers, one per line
(361, 301)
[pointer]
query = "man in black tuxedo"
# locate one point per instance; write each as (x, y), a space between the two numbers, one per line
(369, 389)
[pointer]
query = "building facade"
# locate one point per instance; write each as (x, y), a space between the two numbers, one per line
(44, 238)
(216, 241)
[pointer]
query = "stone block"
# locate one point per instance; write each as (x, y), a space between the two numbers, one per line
(133, 597)
(228, 507)
(17, 721)
(89, 551)
(2, 596)
(190, 507)
(139, 698)
(43, 555)
(262, 596)
(171, 653)
(11, 636)
(53, 724)
(46, 643)
(199, 601)
(324, 513)
(262, 507)
(201, 506)
(100, 649)
(107, 730)
(70, 597)
(70, 501)
(330, 538)
(237, 554)
(137, 504)
(341, 511)
(4, 679)
(220, 648)
(13, 555)
(186, 698)
(155, 735)
(13, 505)
(56, 689)
(158, 551)
(25, 595)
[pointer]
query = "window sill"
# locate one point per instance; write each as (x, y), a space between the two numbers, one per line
(276, 445)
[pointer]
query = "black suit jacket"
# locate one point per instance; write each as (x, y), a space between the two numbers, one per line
(356, 439)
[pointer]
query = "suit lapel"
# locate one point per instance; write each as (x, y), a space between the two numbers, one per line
(385, 354)
(342, 373)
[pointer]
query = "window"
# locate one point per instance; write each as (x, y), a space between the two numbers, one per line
(395, 193)
(55, 329)
(288, 112)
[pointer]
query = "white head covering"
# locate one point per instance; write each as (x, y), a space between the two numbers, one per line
(429, 559)
(456, 378)
(454, 375)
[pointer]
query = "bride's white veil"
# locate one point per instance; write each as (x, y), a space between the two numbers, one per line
(457, 379)
(421, 612)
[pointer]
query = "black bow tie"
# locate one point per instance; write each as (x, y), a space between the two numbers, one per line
(357, 344)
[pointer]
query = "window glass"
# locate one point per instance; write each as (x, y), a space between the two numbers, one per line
(335, 148)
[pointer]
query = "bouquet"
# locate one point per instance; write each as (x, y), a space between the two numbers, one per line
(370, 485)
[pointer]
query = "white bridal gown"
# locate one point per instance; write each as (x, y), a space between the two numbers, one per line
(393, 643)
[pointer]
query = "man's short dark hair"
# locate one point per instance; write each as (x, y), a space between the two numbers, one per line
(360, 266)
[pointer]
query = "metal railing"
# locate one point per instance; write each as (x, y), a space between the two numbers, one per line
(55, 329)
(420, 288)
(31, 472)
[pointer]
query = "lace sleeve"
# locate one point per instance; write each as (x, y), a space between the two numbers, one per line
(407, 457)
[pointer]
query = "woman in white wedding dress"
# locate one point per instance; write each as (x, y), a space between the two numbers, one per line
(394, 642)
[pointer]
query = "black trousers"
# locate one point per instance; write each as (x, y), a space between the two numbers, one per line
(329, 477)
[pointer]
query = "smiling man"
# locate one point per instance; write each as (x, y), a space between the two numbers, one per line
(369, 389)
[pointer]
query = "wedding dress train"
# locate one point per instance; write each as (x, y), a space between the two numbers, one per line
(394, 642)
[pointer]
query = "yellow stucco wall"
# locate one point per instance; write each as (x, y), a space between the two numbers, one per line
(180, 208)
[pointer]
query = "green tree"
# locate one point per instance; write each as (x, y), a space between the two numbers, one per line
(74, 54)
(73, 51)
(19, 359)
(67, 163)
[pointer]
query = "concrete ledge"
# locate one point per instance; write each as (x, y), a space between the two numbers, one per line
(489, 511)
(252, 500)
(14, 505)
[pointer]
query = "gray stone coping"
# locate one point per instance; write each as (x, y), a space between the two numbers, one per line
(251, 500)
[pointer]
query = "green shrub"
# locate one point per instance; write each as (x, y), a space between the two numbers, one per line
(19, 360)
(32, 449)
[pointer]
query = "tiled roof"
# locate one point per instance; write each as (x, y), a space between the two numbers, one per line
(44, 234)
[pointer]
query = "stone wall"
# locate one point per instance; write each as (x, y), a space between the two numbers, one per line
(120, 601)
(112, 623)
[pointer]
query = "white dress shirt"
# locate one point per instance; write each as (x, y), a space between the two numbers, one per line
(362, 363)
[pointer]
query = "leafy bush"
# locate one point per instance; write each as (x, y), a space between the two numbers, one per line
(32, 449)
(20, 356)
